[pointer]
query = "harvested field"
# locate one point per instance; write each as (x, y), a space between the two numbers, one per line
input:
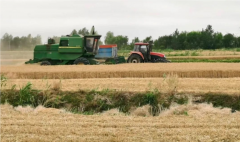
(203, 123)
(147, 70)
(185, 123)
(185, 85)
(206, 57)
(217, 52)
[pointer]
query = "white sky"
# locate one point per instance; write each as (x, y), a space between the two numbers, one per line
(132, 18)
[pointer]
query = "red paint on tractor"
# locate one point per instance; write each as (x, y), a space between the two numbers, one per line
(157, 54)
(135, 52)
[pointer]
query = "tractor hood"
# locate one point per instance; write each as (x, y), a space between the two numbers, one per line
(157, 54)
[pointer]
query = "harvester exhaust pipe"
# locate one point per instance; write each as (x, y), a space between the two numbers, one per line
(93, 30)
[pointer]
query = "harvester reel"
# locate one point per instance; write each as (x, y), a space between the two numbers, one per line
(45, 63)
(134, 59)
(81, 61)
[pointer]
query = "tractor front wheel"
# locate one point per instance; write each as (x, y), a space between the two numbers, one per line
(81, 61)
(134, 59)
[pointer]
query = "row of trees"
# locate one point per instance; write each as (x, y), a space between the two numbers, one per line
(204, 39)
(84, 31)
(8, 42)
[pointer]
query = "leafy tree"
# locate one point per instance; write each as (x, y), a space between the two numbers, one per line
(135, 40)
(74, 32)
(193, 40)
(238, 41)
(162, 42)
(121, 41)
(175, 40)
(182, 39)
(147, 39)
(207, 38)
(218, 40)
(83, 31)
(228, 40)
(109, 38)
(6, 41)
(16, 42)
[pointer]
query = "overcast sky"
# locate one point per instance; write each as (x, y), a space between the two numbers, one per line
(132, 18)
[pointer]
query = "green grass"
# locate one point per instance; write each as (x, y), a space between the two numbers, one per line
(182, 60)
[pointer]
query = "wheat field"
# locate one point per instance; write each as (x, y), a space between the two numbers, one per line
(206, 57)
(203, 123)
(145, 70)
(185, 85)
(205, 52)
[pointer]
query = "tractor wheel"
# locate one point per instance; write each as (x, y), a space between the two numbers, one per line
(45, 63)
(81, 61)
(134, 59)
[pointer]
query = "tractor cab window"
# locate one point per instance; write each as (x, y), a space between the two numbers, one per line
(143, 48)
(136, 48)
(63, 43)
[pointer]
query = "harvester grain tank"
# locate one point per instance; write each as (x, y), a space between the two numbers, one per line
(109, 53)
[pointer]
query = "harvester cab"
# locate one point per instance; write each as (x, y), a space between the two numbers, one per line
(142, 52)
(91, 44)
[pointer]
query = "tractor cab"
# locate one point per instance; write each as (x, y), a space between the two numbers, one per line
(142, 52)
(144, 49)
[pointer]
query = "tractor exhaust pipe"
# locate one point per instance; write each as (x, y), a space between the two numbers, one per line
(150, 49)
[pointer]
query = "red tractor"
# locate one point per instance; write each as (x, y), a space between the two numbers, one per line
(142, 52)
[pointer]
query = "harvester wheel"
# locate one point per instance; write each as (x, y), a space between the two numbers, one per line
(45, 63)
(81, 61)
(134, 59)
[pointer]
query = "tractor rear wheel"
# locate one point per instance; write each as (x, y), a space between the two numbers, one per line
(45, 63)
(81, 61)
(134, 59)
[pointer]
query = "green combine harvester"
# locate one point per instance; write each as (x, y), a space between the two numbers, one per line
(75, 49)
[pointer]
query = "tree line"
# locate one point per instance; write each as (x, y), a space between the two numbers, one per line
(205, 39)
(8, 42)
